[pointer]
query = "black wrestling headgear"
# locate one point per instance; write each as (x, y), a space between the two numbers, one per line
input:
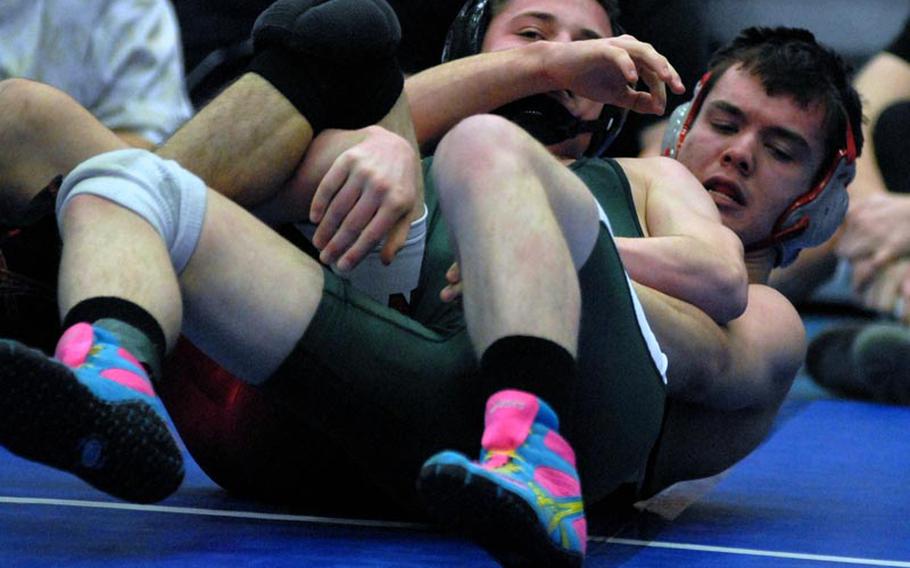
(542, 116)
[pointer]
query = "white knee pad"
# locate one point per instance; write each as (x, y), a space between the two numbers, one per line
(380, 281)
(170, 198)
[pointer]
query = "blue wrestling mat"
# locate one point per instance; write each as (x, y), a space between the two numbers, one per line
(829, 487)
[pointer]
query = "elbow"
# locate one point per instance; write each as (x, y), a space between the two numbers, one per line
(730, 293)
(737, 290)
(732, 280)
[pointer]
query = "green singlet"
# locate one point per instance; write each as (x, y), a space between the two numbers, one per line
(388, 391)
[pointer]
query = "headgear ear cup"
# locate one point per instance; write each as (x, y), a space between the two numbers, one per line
(815, 215)
(682, 118)
(466, 33)
(669, 144)
(465, 38)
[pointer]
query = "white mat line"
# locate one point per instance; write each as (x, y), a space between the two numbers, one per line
(208, 512)
(400, 525)
(754, 552)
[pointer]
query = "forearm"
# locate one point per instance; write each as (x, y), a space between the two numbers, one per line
(293, 201)
(604, 70)
(710, 277)
(443, 95)
(291, 204)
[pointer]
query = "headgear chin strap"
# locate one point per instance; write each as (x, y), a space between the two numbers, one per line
(813, 217)
(549, 122)
(542, 116)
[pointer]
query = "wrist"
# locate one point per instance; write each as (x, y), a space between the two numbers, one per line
(540, 56)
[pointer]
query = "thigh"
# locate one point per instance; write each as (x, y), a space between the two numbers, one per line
(698, 441)
(620, 396)
(571, 201)
(248, 293)
(254, 446)
(386, 391)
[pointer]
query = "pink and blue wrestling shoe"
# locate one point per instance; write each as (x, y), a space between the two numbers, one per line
(91, 411)
(522, 500)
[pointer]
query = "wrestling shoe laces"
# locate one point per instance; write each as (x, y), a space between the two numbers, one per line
(522, 499)
(90, 411)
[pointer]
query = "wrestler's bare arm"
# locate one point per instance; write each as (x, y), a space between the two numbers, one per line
(689, 254)
(358, 186)
(599, 69)
(602, 69)
(257, 157)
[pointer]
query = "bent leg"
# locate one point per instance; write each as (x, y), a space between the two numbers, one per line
(44, 133)
(364, 383)
(249, 294)
(118, 260)
(245, 143)
(521, 223)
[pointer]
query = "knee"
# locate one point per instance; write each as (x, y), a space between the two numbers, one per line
(25, 110)
(482, 137)
(342, 54)
(481, 147)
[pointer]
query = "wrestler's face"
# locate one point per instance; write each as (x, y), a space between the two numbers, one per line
(525, 21)
(755, 153)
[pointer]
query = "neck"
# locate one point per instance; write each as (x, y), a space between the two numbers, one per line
(759, 264)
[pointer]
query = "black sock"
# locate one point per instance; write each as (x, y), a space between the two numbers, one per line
(538, 366)
(138, 331)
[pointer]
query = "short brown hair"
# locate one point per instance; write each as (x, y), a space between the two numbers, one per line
(790, 61)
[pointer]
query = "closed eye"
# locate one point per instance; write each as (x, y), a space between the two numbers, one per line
(779, 155)
(531, 33)
(724, 127)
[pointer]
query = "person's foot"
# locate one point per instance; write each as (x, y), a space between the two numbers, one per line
(881, 356)
(829, 361)
(90, 411)
(522, 500)
(864, 361)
